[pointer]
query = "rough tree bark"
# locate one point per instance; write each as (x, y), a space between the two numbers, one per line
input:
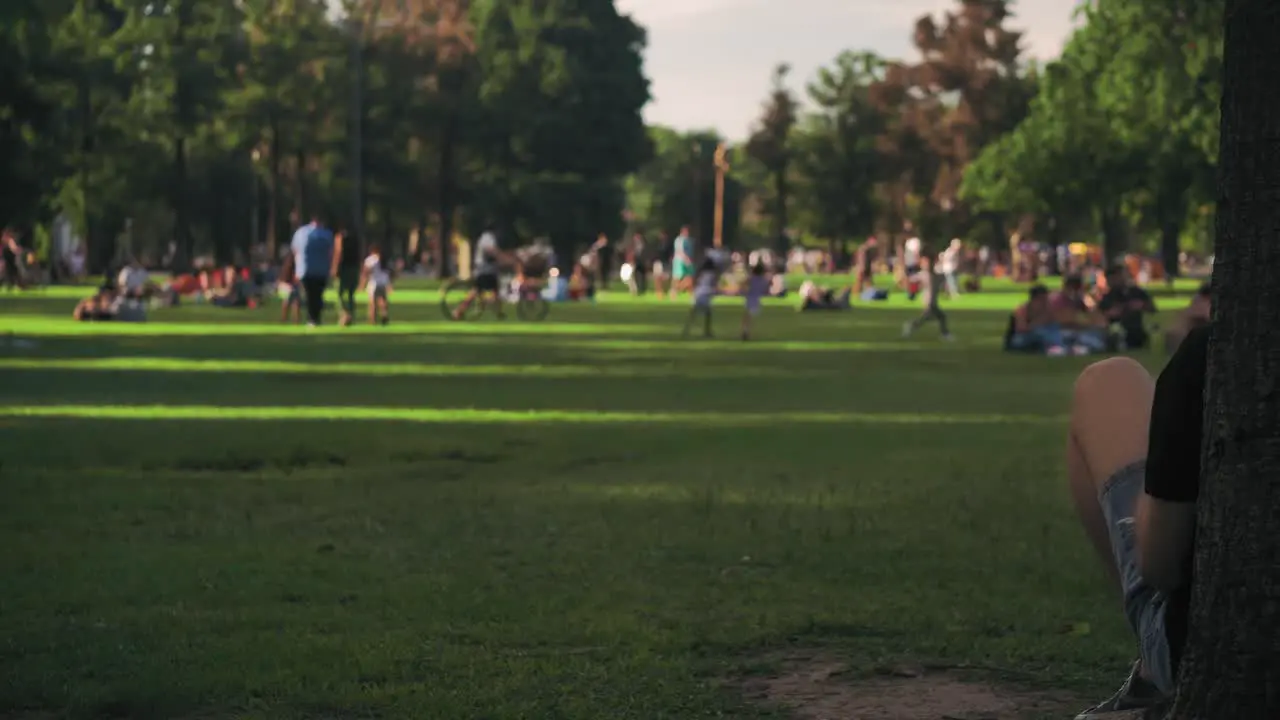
(1231, 669)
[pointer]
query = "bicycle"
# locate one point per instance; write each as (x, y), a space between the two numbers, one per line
(528, 301)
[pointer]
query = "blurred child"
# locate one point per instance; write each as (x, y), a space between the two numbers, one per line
(290, 291)
(930, 288)
(704, 291)
(757, 287)
(377, 281)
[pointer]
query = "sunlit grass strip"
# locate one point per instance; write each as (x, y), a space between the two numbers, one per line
(375, 369)
(481, 416)
(59, 327)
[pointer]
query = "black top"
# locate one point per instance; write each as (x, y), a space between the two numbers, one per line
(1131, 318)
(351, 255)
(1173, 455)
(10, 257)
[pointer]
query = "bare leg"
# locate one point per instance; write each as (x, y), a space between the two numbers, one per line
(1110, 414)
(688, 324)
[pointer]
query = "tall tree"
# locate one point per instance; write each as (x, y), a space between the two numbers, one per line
(837, 165)
(965, 92)
(1228, 670)
(562, 87)
(770, 144)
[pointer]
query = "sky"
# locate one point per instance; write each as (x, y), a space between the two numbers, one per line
(710, 62)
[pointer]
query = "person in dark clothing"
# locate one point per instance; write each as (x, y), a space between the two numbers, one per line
(1126, 304)
(1133, 461)
(662, 263)
(347, 264)
(638, 259)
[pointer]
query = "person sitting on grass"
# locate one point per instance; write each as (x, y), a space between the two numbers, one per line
(377, 283)
(134, 282)
(1133, 466)
(580, 285)
(1032, 328)
(1196, 315)
(705, 289)
(1125, 305)
(234, 292)
(290, 291)
(1075, 312)
(107, 304)
(756, 289)
(813, 297)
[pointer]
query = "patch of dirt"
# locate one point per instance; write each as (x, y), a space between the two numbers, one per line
(819, 686)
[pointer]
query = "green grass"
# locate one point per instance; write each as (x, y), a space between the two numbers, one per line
(585, 518)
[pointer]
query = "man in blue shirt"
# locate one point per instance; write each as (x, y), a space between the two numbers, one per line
(313, 257)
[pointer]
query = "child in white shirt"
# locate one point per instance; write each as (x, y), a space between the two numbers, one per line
(377, 281)
(705, 288)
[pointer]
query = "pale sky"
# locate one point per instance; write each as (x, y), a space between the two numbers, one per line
(710, 62)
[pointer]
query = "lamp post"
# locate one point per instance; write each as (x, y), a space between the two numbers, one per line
(722, 167)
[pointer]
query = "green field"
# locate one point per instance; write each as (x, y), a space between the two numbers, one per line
(211, 515)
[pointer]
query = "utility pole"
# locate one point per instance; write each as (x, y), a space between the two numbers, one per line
(722, 167)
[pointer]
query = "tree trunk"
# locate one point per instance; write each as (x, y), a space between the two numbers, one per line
(1170, 232)
(273, 202)
(1233, 645)
(302, 202)
(1113, 236)
(446, 177)
(780, 210)
(181, 221)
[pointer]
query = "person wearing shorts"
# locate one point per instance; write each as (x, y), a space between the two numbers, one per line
(1133, 463)
(487, 258)
(377, 281)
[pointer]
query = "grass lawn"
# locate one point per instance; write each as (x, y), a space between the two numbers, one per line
(213, 516)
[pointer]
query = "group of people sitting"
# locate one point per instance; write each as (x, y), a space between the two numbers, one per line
(1112, 318)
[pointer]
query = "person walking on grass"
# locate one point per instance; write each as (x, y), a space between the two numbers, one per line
(346, 268)
(313, 257)
(704, 291)
(757, 287)
(290, 291)
(377, 282)
(931, 288)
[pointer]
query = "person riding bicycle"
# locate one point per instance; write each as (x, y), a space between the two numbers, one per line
(488, 258)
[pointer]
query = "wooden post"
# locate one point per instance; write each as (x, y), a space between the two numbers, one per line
(722, 167)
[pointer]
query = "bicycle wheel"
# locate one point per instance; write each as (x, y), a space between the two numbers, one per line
(452, 293)
(532, 307)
